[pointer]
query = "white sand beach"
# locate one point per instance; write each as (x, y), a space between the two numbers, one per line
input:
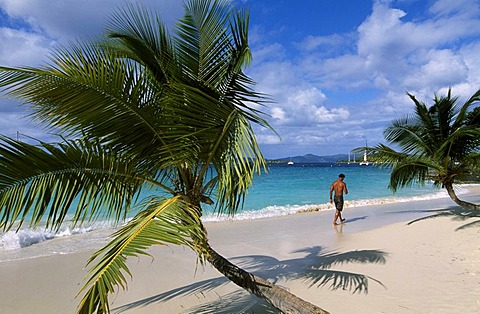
(379, 263)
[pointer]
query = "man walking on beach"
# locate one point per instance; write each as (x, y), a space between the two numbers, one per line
(339, 187)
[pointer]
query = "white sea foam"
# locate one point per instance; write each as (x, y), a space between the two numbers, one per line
(15, 240)
(276, 211)
(269, 211)
(12, 240)
(28, 243)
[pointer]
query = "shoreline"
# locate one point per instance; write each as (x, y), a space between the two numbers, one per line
(21, 245)
(431, 266)
(273, 211)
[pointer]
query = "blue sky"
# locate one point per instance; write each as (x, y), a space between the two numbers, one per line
(337, 70)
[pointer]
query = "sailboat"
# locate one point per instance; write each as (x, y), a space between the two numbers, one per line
(290, 162)
(365, 161)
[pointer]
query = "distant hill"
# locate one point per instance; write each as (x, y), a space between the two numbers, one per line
(310, 158)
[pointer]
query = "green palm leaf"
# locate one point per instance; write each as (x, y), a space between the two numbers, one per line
(238, 165)
(92, 91)
(408, 171)
(143, 37)
(408, 136)
(161, 222)
(45, 180)
(464, 111)
(383, 154)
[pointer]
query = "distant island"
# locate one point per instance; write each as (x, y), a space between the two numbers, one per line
(310, 158)
(472, 177)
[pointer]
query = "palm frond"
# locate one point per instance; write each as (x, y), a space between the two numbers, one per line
(408, 135)
(90, 90)
(443, 111)
(45, 181)
(163, 221)
(463, 112)
(198, 119)
(143, 37)
(461, 142)
(213, 49)
(474, 160)
(384, 155)
(421, 113)
(240, 160)
(204, 43)
(240, 27)
(409, 171)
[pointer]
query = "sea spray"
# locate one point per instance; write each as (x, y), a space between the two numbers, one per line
(12, 240)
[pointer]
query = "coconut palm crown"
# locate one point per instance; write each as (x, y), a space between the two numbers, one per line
(141, 110)
(438, 143)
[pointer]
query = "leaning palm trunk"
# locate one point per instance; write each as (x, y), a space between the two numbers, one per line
(276, 296)
(453, 196)
(280, 298)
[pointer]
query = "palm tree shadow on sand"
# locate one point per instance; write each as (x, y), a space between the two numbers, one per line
(457, 213)
(314, 268)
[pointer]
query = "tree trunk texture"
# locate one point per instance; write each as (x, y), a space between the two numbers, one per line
(280, 298)
(453, 196)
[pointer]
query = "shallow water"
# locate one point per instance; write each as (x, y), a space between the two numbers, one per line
(285, 190)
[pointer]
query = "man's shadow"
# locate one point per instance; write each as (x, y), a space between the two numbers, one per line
(315, 268)
(354, 219)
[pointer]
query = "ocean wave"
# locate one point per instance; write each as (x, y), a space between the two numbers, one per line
(277, 211)
(13, 240)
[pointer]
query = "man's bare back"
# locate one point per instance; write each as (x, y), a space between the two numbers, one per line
(339, 187)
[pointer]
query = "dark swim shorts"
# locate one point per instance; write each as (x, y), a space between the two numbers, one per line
(338, 200)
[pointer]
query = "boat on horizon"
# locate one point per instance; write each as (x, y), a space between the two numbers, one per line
(365, 161)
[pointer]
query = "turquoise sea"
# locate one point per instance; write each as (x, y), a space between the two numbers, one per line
(285, 189)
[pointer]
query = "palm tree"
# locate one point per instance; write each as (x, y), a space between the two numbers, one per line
(142, 109)
(440, 143)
